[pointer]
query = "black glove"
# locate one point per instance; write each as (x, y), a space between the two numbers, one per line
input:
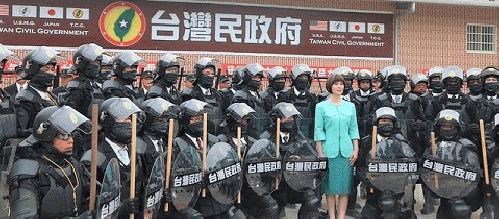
(167, 196)
(420, 126)
(132, 205)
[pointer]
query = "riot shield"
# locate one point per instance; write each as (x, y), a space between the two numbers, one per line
(108, 203)
(153, 192)
(494, 179)
(7, 155)
(187, 178)
(261, 167)
(224, 173)
(394, 166)
(303, 170)
(453, 173)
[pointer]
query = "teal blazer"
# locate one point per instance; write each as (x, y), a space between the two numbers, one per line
(336, 127)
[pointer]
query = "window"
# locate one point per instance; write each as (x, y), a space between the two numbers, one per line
(480, 38)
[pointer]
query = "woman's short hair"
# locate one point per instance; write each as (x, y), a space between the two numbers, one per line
(333, 78)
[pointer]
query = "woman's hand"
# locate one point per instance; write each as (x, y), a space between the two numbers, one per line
(354, 157)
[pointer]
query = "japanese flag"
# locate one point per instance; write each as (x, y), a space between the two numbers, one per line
(356, 27)
(51, 12)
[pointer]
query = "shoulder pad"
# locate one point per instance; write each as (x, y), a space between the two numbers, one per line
(25, 95)
(25, 167)
(251, 140)
(181, 143)
(398, 136)
(155, 90)
(188, 91)
(265, 135)
(212, 138)
(240, 95)
(465, 141)
(383, 97)
(110, 84)
(412, 96)
(87, 157)
(141, 145)
(222, 138)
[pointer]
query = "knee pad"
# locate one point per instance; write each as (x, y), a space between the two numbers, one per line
(460, 209)
(387, 202)
(310, 200)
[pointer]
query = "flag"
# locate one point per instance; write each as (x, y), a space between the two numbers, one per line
(4, 10)
(318, 25)
(356, 27)
(377, 28)
(23, 11)
(78, 13)
(338, 26)
(51, 12)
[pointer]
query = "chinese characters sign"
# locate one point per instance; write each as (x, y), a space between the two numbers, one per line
(205, 27)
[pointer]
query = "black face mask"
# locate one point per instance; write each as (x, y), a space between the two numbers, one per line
(121, 132)
(170, 79)
(475, 89)
(159, 127)
(449, 135)
(453, 88)
(397, 87)
(437, 86)
(42, 80)
(254, 85)
(129, 77)
(91, 71)
(287, 126)
(348, 87)
(490, 88)
(195, 129)
(385, 129)
(302, 84)
(206, 81)
(279, 86)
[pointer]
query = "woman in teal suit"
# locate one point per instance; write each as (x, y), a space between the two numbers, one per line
(336, 135)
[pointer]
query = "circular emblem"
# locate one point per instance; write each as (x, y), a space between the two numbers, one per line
(99, 51)
(122, 24)
(289, 108)
(78, 13)
(452, 74)
(127, 105)
(245, 111)
(74, 118)
(199, 106)
(50, 54)
(475, 73)
(386, 111)
(448, 117)
(165, 107)
(303, 68)
(363, 74)
(395, 71)
(24, 11)
(173, 59)
(345, 72)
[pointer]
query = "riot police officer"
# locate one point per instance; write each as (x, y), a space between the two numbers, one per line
(454, 152)
(106, 69)
(7, 116)
(115, 119)
(205, 70)
(300, 96)
(277, 82)
(490, 77)
(435, 80)
(391, 147)
(474, 83)
(125, 67)
(289, 134)
(84, 90)
(238, 115)
(50, 183)
(39, 68)
(167, 73)
(419, 84)
(250, 84)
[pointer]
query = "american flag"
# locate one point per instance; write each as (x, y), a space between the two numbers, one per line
(318, 25)
(4, 10)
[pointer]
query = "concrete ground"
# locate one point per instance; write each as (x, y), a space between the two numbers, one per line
(292, 210)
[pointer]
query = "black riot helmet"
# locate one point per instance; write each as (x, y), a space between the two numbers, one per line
(7, 55)
(84, 56)
(36, 59)
(205, 81)
(474, 74)
(448, 118)
(299, 83)
(236, 112)
(276, 73)
(397, 76)
(168, 61)
(490, 72)
(386, 113)
(452, 78)
(285, 110)
(347, 74)
(436, 86)
(249, 72)
(237, 75)
(190, 109)
(364, 75)
(490, 87)
(158, 113)
(123, 60)
(418, 78)
(55, 120)
(113, 117)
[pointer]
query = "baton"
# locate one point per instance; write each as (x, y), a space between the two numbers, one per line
(205, 144)
(133, 159)
(374, 141)
(180, 81)
(169, 158)
(93, 159)
(278, 146)
(434, 152)
(239, 156)
(484, 153)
